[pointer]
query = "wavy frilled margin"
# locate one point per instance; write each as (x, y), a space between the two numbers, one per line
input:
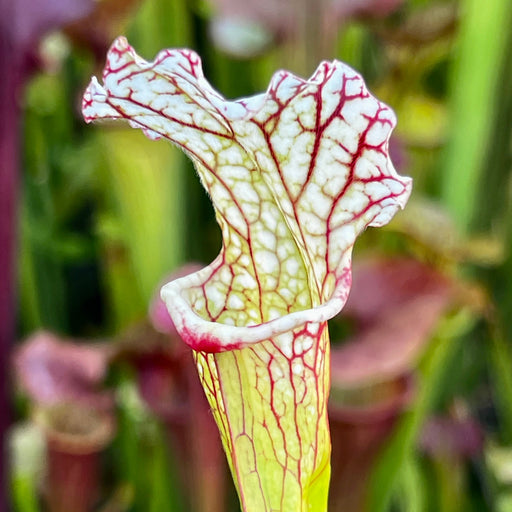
(295, 174)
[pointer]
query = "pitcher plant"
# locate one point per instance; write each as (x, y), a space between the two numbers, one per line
(295, 175)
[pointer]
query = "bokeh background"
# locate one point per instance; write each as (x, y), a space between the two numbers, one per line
(105, 409)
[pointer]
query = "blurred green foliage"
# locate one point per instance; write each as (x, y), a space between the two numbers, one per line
(106, 214)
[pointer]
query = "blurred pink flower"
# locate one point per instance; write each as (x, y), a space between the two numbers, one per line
(452, 437)
(53, 371)
(238, 25)
(396, 304)
(63, 380)
(282, 16)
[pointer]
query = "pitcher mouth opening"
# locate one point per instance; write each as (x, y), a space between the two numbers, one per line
(213, 336)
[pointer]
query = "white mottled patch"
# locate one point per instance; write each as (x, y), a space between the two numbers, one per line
(293, 284)
(377, 134)
(292, 266)
(303, 299)
(307, 343)
(198, 304)
(354, 200)
(295, 170)
(267, 262)
(251, 211)
(375, 157)
(244, 260)
(233, 216)
(233, 109)
(342, 238)
(215, 295)
(376, 190)
(306, 105)
(347, 234)
(234, 156)
(264, 161)
(205, 120)
(334, 183)
(232, 174)
(288, 126)
(269, 218)
(364, 169)
(276, 371)
(235, 302)
(281, 228)
(287, 295)
(388, 204)
(341, 154)
(239, 316)
(268, 240)
(224, 275)
(345, 134)
(388, 115)
(244, 192)
(269, 281)
(297, 347)
(287, 87)
(353, 83)
(352, 113)
(245, 281)
(165, 104)
(285, 342)
(281, 146)
(254, 317)
(331, 95)
(311, 223)
(253, 103)
(298, 368)
(319, 203)
(313, 328)
(325, 164)
(394, 186)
